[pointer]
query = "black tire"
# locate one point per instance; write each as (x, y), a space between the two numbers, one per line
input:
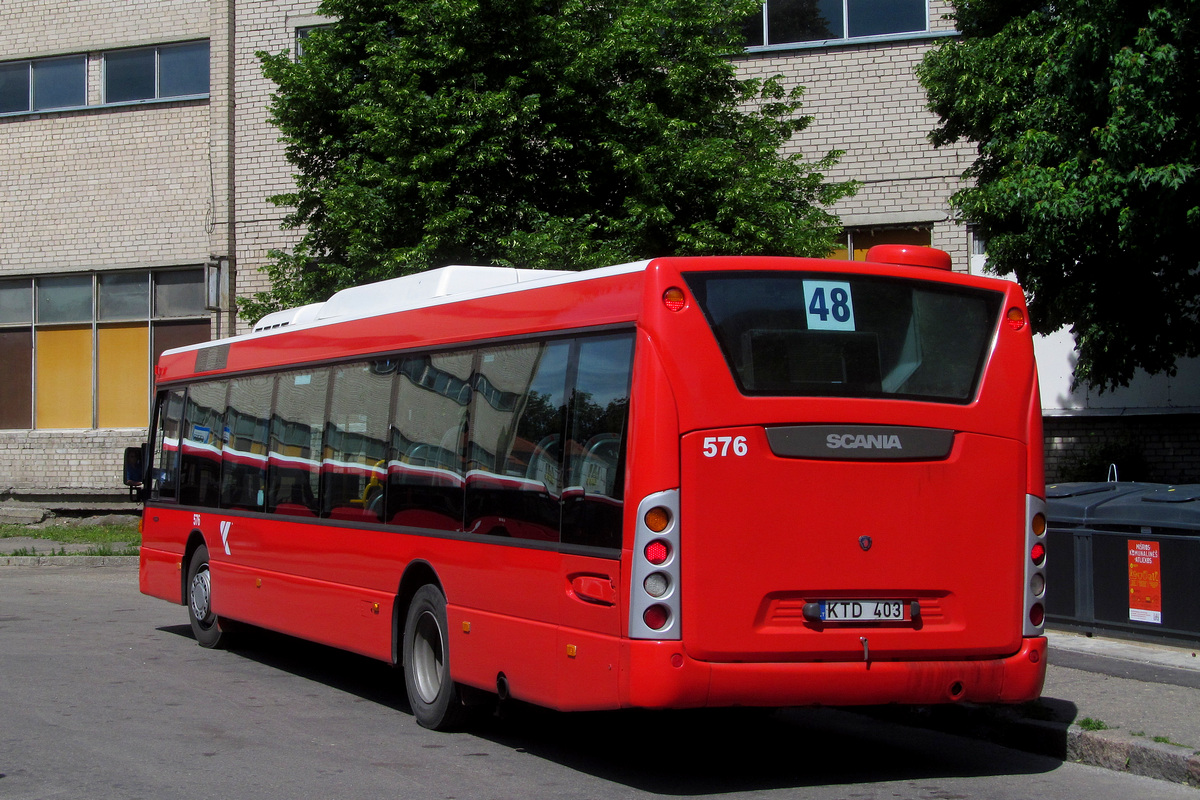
(435, 699)
(206, 627)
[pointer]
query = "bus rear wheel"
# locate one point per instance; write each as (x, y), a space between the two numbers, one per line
(206, 627)
(435, 699)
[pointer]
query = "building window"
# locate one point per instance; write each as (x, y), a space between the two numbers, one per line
(792, 21)
(156, 73)
(859, 240)
(301, 35)
(77, 351)
(43, 84)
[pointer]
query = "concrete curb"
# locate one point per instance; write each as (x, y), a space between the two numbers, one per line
(1004, 725)
(1124, 752)
(68, 561)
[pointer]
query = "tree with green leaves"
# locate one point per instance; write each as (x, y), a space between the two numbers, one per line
(1085, 184)
(533, 133)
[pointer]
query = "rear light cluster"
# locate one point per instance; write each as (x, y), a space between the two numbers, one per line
(1035, 565)
(654, 595)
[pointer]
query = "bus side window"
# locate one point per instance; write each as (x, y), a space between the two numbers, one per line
(244, 458)
(164, 475)
(201, 444)
(517, 411)
(424, 470)
(294, 460)
(595, 452)
(353, 467)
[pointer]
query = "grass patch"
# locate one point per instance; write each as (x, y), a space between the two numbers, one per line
(1167, 740)
(99, 540)
(1089, 724)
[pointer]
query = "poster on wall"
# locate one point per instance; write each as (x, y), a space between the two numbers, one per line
(1145, 582)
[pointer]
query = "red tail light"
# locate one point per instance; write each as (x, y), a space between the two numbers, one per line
(1037, 615)
(674, 299)
(657, 552)
(1037, 553)
(656, 617)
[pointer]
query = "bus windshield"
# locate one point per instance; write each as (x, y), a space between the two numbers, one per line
(845, 335)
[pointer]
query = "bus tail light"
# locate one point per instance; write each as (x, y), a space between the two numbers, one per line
(654, 610)
(1037, 615)
(1035, 565)
(656, 616)
(1015, 318)
(674, 299)
(657, 552)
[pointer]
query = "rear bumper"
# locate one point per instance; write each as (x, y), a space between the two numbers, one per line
(661, 675)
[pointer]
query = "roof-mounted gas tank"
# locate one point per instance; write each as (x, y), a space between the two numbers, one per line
(910, 255)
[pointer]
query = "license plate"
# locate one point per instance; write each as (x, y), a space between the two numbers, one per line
(865, 611)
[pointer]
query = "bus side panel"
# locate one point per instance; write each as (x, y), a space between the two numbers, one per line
(159, 574)
(565, 660)
(165, 531)
(485, 645)
(348, 617)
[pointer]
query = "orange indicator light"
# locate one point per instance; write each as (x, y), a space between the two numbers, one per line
(674, 299)
(657, 519)
(1015, 318)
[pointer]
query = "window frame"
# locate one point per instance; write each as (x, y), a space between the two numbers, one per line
(158, 97)
(152, 320)
(31, 104)
(845, 38)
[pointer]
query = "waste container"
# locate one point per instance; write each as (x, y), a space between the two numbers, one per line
(1124, 557)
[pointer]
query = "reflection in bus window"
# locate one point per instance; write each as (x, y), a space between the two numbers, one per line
(200, 448)
(592, 501)
(513, 453)
(164, 478)
(244, 459)
(424, 471)
(293, 484)
(352, 469)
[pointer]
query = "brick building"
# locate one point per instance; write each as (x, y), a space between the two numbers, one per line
(137, 162)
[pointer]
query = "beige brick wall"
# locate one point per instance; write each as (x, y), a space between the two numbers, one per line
(102, 187)
(94, 189)
(46, 461)
(35, 28)
(866, 101)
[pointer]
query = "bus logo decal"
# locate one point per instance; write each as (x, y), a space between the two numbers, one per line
(872, 442)
(225, 526)
(860, 442)
(864, 542)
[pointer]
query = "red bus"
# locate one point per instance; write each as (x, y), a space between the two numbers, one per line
(683, 482)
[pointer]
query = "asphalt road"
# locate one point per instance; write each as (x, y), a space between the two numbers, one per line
(103, 693)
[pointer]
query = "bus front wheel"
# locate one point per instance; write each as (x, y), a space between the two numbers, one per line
(434, 697)
(206, 627)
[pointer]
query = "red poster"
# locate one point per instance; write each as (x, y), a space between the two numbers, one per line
(1145, 582)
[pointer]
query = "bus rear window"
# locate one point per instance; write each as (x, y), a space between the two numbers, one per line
(832, 335)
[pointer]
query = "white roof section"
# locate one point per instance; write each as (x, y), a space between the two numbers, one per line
(404, 293)
(433, 287)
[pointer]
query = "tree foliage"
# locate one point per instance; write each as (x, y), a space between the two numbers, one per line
(533, 133)
(1085, 185)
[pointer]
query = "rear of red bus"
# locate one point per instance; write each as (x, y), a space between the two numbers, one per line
(838, 468)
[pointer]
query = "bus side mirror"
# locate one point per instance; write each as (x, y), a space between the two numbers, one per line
(134, 470)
